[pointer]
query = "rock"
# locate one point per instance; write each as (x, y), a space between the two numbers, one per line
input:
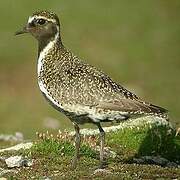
(51, 123)
(18, 147)
(172, 164)
(5, 171)
(18, 161)
(18, 137)
(3, 178)
(157, 160)
(138, 160)
(102, 171)
(131, 124)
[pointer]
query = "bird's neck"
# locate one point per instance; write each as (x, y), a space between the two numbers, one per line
(45, 44)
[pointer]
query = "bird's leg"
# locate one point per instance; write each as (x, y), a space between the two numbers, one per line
(102, 143)
(77, 145)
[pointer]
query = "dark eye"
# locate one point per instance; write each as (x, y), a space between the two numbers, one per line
(41, 21)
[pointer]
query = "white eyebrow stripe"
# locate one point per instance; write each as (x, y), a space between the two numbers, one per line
(31, 18)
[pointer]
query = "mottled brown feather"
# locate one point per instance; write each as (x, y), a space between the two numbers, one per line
(129, 105)
(75, 86)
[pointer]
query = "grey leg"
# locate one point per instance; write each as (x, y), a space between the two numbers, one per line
(102, 143)
(77, 145)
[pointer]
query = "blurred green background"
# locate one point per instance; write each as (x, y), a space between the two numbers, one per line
(135, 42)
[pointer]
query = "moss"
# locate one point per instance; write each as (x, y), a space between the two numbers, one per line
(157, 140)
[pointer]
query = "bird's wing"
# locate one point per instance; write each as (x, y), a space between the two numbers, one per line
(124, 100)
(107, 93)
(131, 106)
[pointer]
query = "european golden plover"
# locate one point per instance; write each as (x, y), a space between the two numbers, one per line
(82, 92)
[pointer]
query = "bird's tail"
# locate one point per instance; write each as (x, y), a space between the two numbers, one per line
(159, 111)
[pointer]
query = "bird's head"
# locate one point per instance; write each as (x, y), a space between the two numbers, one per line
(43, 25)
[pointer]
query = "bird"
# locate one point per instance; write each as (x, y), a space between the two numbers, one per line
(84, 93)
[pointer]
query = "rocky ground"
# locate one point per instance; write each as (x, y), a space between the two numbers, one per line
(145, 148)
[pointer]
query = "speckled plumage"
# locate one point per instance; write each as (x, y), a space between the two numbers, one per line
(79, 90)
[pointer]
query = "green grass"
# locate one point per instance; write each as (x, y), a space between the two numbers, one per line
(52, 156)
(59, 148)
(137, 43)
(136, 142)
(157, 141)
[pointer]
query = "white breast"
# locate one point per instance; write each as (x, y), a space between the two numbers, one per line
(41, 58)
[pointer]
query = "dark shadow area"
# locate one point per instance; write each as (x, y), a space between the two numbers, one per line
(160, 142)
(156, 144)
(160, 147)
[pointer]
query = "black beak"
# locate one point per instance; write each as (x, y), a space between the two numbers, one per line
(24, 30)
